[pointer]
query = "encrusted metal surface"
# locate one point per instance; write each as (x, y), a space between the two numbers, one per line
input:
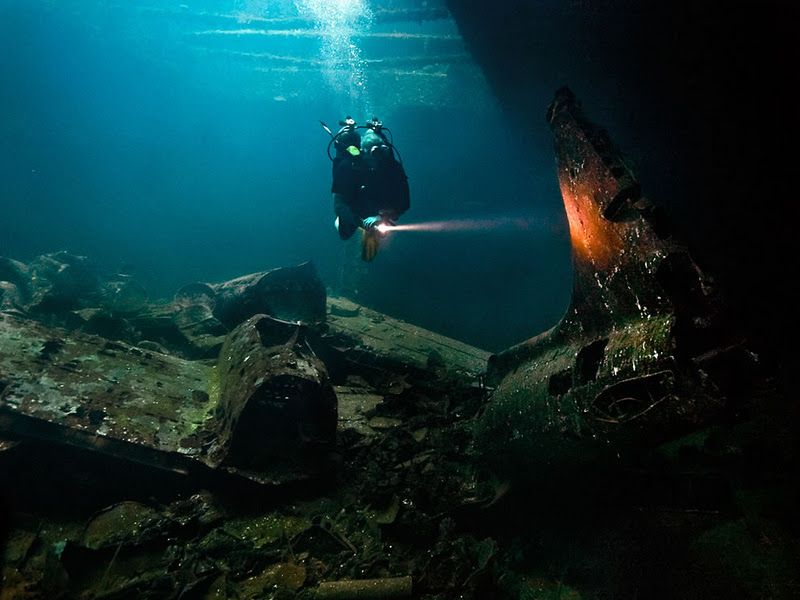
(276, 402)
(288, 293)
(94, 393)
(383, 337)
(614, 372)
(266, 403)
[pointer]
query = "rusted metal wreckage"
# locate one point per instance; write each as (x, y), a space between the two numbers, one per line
(633, 361)
(264, 409)
(267, 394)
(643, 354)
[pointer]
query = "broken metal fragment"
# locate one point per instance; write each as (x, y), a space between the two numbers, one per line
(10, 297)
(364, 589)
(6, 444)
(276, 403)
(288, 293)
(203, 332)
(123, 295)
(196, 293)
(61, 281)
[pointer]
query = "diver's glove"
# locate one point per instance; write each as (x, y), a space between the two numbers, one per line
(389, 217)
(371, 222)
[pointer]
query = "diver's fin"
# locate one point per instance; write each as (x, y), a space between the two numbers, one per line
(370, 238)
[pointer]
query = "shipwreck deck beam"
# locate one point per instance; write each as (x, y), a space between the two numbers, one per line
(403, 342)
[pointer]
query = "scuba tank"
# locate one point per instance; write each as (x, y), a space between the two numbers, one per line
(347, 141)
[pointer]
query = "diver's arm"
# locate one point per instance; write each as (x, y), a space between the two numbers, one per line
(346, 220)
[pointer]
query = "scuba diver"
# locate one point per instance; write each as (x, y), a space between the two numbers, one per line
(370, 186)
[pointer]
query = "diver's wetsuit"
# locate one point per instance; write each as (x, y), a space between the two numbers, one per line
(363, 191)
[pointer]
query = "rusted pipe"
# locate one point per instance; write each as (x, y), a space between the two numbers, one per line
(365, 589)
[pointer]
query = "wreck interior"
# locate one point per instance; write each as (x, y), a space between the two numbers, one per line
(262, 436)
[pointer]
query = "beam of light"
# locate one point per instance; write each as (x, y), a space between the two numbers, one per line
(595, 240)
(338, 22)
(499, 223)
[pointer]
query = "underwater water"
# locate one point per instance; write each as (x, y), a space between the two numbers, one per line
(181, 142)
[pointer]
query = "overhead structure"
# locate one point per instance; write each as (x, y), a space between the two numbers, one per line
(380, 53)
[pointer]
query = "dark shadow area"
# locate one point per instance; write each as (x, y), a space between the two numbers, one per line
(700, 98)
